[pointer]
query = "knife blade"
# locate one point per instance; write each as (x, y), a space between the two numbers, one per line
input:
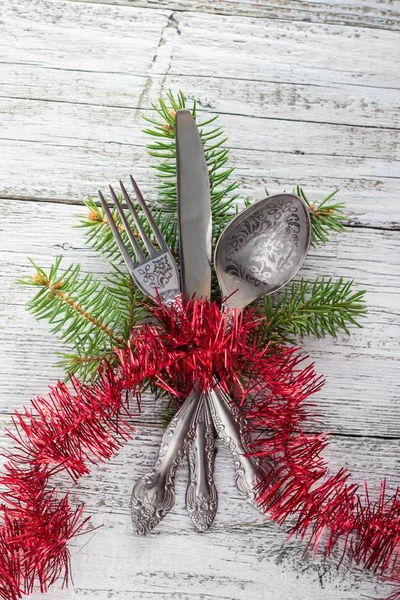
(194, 208)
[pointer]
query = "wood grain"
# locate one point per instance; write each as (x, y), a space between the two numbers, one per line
(88, 153)
(308, 93)
(378, 14)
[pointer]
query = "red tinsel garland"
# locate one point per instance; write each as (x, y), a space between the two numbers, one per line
(78, 425)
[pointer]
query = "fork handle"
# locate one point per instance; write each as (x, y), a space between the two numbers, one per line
(201, 493)
(153, 495)
(232, 429)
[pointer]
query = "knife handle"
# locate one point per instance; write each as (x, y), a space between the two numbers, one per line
(232, 429)
(201, 493)
(153, 495)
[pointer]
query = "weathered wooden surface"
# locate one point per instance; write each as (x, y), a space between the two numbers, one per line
(315, 104)
(308, 93)
(379, 14)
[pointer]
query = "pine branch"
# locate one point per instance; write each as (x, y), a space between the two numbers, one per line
(326, 217)
(314, 308)
(98, 233)
(83, 314)
(84, 362)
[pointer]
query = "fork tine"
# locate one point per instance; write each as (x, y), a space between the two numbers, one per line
(153, 225)
(139, 254)
(127, 257)
(152, 251)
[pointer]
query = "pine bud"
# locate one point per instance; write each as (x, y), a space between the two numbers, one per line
(40, 279)
(94, 216)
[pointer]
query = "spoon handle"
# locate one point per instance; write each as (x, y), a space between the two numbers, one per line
(201, 493)
(233, 430)
(153, 495)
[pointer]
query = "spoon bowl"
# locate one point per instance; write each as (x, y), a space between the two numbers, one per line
(262, 249)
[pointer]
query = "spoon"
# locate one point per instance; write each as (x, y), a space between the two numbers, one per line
(262, 249)
(259, 252)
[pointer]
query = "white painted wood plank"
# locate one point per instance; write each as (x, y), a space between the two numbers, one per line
(342, 104)
(265, 50)
(361, 393)
(259, 50)
(59, 24)
(80, 37)
(58, 123)
(47, 25)
(368, 186)
(369, 13)
(243, 555)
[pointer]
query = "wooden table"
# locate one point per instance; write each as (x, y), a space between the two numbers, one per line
(308, 93)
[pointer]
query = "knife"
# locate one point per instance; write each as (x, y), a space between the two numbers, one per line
(201, 493)
(195, 231)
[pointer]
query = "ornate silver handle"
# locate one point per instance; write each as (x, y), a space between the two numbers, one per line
(233, 430)
(153, 495)
(201, 493)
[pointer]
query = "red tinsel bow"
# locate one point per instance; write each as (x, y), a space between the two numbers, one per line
(78, 425)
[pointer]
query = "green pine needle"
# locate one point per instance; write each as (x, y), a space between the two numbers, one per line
(131, 301)
(84, 363)
(314, 308)
(326, 217)
(222, 188)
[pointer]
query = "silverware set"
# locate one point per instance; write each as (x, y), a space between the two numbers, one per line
(258, 252)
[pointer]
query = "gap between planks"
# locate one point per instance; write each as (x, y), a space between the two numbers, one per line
(139, 109)
(72, 202)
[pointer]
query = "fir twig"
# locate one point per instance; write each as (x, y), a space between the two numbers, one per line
(326, 216)
(314, 308)
(82, 313)
(131, 301)
(84, 363)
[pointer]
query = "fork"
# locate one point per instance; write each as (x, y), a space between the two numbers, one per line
(156, 274)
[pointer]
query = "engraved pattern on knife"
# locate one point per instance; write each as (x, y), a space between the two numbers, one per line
(201, 493)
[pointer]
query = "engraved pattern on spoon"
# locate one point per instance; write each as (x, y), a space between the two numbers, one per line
(232, 429)
(259, 263)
